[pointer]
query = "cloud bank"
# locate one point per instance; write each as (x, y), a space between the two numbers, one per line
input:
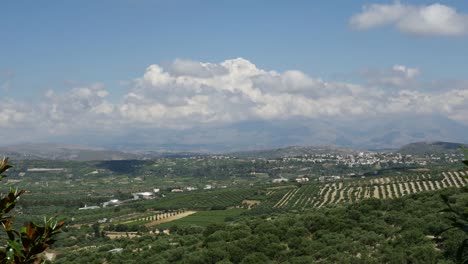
(189, 94)
(427, 20)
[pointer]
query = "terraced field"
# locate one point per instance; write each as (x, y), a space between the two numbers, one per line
(380, 188)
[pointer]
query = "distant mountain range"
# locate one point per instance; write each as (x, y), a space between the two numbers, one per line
(392, 131)
(84, 153)
(43, 151)
(382, 132)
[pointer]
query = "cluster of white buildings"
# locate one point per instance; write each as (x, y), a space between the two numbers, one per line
(370, 158)
(192, 188)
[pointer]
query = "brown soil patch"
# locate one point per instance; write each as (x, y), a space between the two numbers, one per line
(376, 192)
(323, 188)
(341, 195)
(401, 186)
(395, 187)
(444, 183)
(325, 198)
(457, 177)
(431, 185)
(407, 189)
(389, 190)
(425, 186)
(419, 186)
(287, 198)
(367, 193)
(333, 195)
(251, 203)
(282, 198)
(382, 190)
(170, 218)
(358, 193)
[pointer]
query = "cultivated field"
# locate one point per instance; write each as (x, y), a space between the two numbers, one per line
(380, 188)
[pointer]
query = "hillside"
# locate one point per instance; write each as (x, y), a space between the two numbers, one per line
(291, 152)
(422, 148)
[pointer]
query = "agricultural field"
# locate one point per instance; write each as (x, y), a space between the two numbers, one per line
(210, 193)
(203, 200)
(298, 198)
(318, 195)
(204, 218)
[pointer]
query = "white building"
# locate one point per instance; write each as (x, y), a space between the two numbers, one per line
(143, 195)
(279, 180)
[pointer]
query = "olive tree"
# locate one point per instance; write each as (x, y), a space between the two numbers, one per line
(458, 220)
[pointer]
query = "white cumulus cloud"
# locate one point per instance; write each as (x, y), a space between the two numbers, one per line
(237, 90)
(230, 91)
(430, 20)
(13, 113)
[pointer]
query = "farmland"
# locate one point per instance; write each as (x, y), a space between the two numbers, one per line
(204, 218)
(388, 187)
(143, 200)
(61, 187)
(205, 200)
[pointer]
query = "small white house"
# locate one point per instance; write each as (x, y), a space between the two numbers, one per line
(301, 180)
(113, 202)
(280, 180)
(143, 195)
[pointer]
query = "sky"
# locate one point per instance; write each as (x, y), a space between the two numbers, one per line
(156, 73)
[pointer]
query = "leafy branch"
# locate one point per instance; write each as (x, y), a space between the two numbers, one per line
(23, 246)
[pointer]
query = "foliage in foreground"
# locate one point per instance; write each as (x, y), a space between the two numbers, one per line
(23, 246)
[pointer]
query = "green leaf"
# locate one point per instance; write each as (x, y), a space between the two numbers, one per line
(18, 250)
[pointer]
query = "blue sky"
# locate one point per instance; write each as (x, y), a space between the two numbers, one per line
(60, 46)
(45, 43)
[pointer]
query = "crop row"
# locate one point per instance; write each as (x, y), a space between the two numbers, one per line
(380, 188)
(298, 198)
